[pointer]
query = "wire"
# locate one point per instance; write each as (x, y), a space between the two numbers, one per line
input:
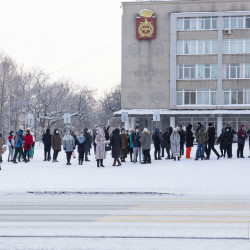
(85, 58)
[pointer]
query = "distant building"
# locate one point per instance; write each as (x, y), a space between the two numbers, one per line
(190, 60)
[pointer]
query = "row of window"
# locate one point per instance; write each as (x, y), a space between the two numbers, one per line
(210, 23)
(198, 47)
(197, 71)
(209, 97)
(209, 71)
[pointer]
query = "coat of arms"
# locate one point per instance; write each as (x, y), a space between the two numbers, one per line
(146, 25)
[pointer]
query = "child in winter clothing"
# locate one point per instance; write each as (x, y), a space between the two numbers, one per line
(10, 144)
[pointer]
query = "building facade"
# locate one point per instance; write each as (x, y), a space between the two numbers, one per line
(196, 67)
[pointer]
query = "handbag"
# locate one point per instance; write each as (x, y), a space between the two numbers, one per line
(107, 147)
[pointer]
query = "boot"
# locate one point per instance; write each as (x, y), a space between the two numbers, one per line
(114, 164)
(97, 163)
(102, 163)
(119, 163)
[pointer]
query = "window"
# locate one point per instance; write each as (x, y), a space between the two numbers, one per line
(197, 71)
(194, 47)
(247, 22)
(196, 97)
(236, 97)
(234, 46)
(237, 71)
(197, 23)
(234, 22)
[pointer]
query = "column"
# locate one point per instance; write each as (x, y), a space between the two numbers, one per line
(220, 62)
(219, 125)
(132, 123)
(126, 124)
(172, 121)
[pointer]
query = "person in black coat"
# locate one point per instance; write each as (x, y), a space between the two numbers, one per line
(223, 142)
(168, 143)
(182, 139)
(87, 143)
(165, 141)
(106, 132)
(229, 140)
(116, 144)
(81, 148)
(47, 144)
(189, 140)
(157, 139)
(211, 141)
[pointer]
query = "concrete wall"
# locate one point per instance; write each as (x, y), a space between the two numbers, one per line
(146, 64)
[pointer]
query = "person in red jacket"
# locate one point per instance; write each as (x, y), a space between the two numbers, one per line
(28, 141)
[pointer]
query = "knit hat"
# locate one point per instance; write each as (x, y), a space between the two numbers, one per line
(210, 124)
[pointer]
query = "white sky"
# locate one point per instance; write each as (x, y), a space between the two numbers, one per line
(78, 40)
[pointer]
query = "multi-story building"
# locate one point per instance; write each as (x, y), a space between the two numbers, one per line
(196, 67)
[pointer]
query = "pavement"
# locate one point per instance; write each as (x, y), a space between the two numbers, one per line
(124, 221)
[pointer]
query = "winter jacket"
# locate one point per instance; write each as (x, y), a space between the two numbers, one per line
(165, 139)
(242, 135)
(124, 141)
(211, 136)
(182, 137)
(28, 141)
(106, 132)
(136, 139)
(189, 136)
(68, 143)
(156, 137)
(56, 141)
(19, 139)
(116, 143)
(130, 141)
(47, 138)
(175, 143)
(81, 144)
(222, 139)
(229, 135)
(100, 146)
(145, 140)
(202, 136)
(88, 141)
(1, 146)
(10, 141)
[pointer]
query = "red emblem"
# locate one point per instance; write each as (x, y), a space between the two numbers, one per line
(145, 28)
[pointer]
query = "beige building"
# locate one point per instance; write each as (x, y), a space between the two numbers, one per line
(196, 69)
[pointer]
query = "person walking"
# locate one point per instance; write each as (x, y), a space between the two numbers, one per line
(10, 144)
(116, 144)
(211, 141)
(81, 148)
(157, 139)
(87, 143)
(47, 145)
(28, 141)
(124, 145)
(202, 138)
(136, 144)
(146, 145)
(56, 144)
(242, 135)
(189, 140)
(100, 142)
(68, 146)
(175, 144)
(19, 146)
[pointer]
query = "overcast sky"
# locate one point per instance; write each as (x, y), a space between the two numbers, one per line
(73, 39)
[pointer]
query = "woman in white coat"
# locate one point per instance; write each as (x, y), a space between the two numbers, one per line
(100, 148)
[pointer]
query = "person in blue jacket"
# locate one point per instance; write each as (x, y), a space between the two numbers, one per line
(19, 146)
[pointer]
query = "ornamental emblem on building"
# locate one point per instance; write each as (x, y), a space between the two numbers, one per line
(145, 25)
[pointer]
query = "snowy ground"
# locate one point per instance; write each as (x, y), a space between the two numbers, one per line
(186, 177)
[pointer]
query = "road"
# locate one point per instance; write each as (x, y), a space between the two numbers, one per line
(123, 222)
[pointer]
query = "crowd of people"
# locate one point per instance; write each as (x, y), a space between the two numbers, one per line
(133, 144)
